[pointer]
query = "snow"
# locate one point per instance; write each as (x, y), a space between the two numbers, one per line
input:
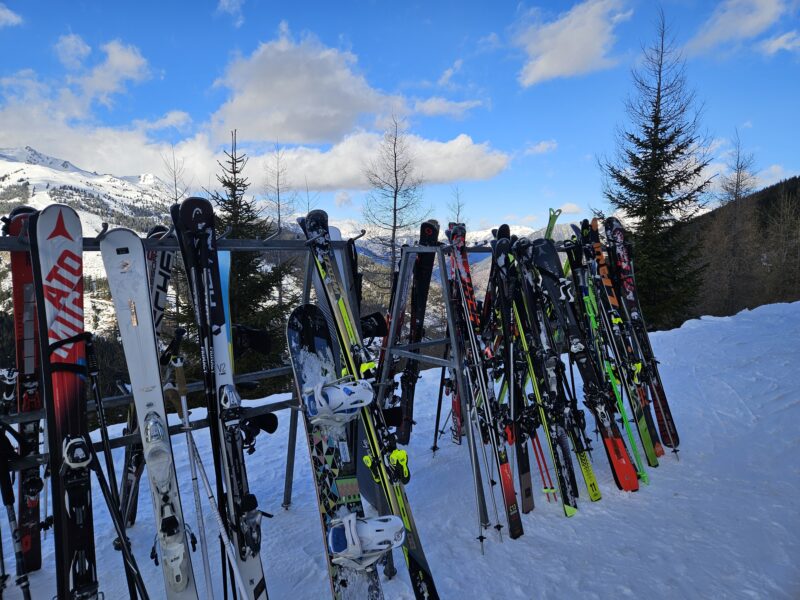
(721, 522)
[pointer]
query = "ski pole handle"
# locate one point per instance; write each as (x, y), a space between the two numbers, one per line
(174, 347)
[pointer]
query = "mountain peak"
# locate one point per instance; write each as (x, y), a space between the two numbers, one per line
(32, 156)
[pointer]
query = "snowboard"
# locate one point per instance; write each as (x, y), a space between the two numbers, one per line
(311, 350)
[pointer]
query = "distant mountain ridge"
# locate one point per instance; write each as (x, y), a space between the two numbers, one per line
(28, 176)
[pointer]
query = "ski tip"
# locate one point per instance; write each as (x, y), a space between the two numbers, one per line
(570, 511)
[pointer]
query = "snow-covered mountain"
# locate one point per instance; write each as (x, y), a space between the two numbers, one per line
(30, 177)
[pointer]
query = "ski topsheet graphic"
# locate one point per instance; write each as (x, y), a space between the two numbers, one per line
(57, 254)
(126, 268)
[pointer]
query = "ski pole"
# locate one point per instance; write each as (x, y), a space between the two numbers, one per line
(91, 461)
(230, 551)
(3, 575)
(176, 363)
(7, 491)
(435, 446)
(93, 371)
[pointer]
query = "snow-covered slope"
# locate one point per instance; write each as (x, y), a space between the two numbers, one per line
(720, 523)
(30, 177)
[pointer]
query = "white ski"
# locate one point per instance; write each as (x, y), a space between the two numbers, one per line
(126, 268)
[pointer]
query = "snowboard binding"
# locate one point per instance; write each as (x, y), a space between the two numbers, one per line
(359, 543)
(335, 404)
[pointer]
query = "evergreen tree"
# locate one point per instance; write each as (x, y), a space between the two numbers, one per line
(657, 180)
(253, 281)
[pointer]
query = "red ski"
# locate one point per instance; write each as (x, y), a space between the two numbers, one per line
(28, 397)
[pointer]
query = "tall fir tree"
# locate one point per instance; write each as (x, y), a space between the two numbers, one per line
(657, 180)
(253, 280)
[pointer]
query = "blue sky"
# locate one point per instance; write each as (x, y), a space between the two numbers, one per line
(511, 102)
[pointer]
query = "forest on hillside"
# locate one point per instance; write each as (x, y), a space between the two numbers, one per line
(750, 249)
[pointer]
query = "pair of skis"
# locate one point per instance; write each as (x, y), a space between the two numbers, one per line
(66, 362)
(126, 269)
(237, 508)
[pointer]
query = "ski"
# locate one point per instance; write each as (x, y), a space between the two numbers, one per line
(551, 223)
(57, 258)
(388, 464)
(159, 274)
(421, 283)
(28, 393)
(126, 269)
(622, 272)
(193, 219)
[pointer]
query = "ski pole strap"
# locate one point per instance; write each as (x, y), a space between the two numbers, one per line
(78, 369)
(80, 337)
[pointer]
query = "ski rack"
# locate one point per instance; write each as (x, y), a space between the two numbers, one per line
(298, 246)
(92, 244)
(452, 349)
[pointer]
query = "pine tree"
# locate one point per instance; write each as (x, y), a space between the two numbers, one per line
(657, 180)
(253, 282)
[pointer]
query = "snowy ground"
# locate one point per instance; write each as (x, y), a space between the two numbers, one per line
(722, 522)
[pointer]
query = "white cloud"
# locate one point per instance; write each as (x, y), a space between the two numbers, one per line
(342, 199)
(123, 63)
(342, 166)
(542, 147)
(445, 78)
(772, 174)
(177, 119)
(72, 50)
(529, 219)
(57, 118)
(459, 159)
(747, 124)
(734, 21)
(570, 208)
(489, 42)
(8, 18)
(232, 8)
(297, 92)
(789, 41)
(437, 106)
(578, 42)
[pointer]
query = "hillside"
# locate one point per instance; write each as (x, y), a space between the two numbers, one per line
(719, 523)
(751, 250)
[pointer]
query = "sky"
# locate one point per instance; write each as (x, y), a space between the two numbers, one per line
(513, 103)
